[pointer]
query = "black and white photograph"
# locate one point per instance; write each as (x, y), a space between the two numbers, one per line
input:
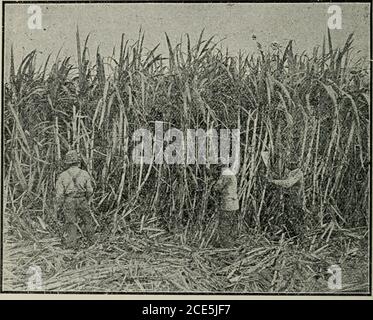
(186, 148)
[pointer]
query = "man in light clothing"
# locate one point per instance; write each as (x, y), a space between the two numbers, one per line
(227, 187)
(73, 194)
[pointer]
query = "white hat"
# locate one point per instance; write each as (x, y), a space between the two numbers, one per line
(227, 172)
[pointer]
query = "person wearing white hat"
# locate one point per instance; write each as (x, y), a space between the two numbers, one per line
(229, 205)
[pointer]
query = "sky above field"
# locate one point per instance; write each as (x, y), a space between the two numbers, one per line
(236, 23)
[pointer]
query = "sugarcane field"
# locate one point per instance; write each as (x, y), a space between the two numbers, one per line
(186, 148)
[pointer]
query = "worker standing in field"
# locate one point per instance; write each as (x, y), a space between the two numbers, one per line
(73, 194)
(228, 219)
